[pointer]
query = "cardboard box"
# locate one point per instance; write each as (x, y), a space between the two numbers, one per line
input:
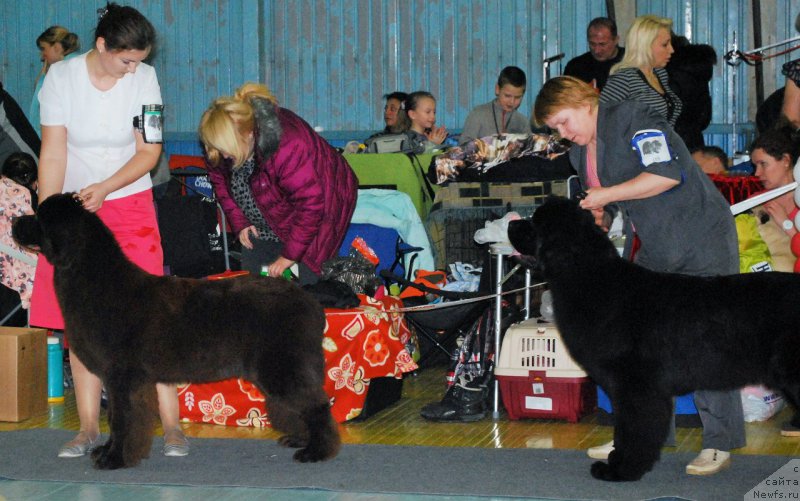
(23, 373)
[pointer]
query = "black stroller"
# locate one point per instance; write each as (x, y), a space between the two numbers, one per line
(463, 334)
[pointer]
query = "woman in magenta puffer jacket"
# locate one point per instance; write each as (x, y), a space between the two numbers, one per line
(287, 193)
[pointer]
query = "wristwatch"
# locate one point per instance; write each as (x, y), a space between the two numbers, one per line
(788, 225)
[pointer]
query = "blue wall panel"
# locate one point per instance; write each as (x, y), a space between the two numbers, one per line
(332, 60)
(453, 49)
(205, 48)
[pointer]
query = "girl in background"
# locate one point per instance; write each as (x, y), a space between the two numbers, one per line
(55, 44)
(418, 119)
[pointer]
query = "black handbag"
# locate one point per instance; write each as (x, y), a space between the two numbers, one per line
(189, 236)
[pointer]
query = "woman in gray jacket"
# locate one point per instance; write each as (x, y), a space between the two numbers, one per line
(629, 157)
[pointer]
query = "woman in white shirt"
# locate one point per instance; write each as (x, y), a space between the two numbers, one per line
(89, 146)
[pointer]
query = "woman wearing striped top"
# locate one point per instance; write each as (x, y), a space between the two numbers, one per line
(641, 76)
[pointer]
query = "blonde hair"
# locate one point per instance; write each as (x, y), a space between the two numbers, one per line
(562, 92)
(228, 120)
(639, 42)
(57, 35)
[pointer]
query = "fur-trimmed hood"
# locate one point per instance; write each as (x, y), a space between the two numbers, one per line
(268, 128)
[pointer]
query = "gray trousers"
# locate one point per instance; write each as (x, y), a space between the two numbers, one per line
(722, 417)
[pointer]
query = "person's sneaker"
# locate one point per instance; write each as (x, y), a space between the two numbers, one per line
(709, 462)
(465, 401)
(787, 430)
(600, 451)
(79, 446)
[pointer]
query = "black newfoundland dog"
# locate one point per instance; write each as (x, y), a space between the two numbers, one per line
(645, 337)
(134, 329)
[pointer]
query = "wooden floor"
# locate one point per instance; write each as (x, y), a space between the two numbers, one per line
(401, 424)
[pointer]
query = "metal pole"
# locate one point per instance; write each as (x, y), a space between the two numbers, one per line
(770, 46)
(498, 324)
(527, 293)
(610, 11)
(756, 4)
(544, 58)
(224, 229)
(732, 93)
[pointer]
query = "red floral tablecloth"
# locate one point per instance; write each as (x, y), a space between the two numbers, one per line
(360, 344)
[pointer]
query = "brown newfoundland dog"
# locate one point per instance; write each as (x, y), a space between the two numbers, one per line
(133, 330)
(645, 337)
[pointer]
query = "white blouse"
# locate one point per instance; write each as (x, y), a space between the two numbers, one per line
(100, 133)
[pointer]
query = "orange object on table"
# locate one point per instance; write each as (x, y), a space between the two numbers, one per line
(228, 274)
(365, 250)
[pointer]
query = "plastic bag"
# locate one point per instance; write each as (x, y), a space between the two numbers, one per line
(760, 403)
(354, 270)
(497, 230)
(464, 278)
(546, 308)
(754, 254)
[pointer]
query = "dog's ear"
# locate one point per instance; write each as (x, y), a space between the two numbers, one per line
(27, 232)
(60, 207)
(56, 220)
(522, 236)
(77, 201)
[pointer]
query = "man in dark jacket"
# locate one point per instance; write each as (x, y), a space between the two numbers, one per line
(604, 52)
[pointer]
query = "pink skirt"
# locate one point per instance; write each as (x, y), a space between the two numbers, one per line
(133, 222)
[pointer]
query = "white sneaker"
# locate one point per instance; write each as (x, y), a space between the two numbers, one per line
(600, 451)
(709, 462)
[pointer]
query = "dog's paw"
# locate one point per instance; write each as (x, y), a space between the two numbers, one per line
(105, 459)
(600, 470)
(292, 441)
(604, 471)
(312, 455)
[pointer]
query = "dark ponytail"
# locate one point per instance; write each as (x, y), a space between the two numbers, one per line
(124, 28)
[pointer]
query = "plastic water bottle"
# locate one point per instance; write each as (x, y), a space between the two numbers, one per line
(55, 370)
(287, 273)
